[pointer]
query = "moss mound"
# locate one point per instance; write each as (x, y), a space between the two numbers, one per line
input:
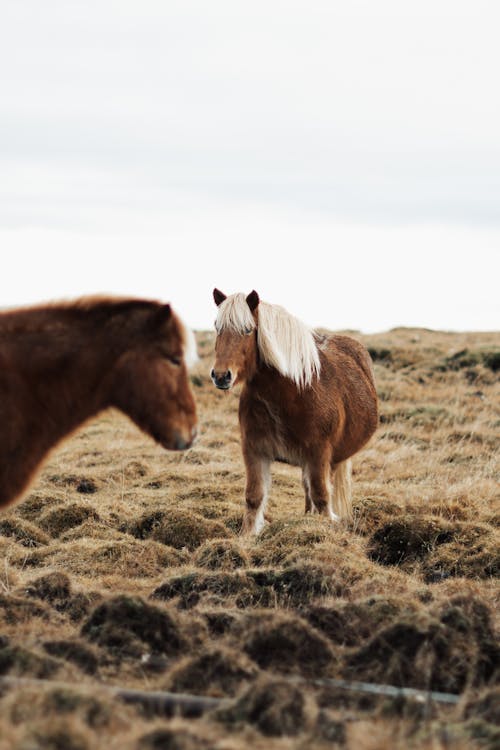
(74, 652)
(473, 553)
(447, 651)
(126, 625)
(485, 706)
(216, 671)
(220, 621)
(15, 610)
(218, 585)
(51, 587)
(372, 512)
(290, 587)
(296, 584)
(176, 528)
(466, 358)
(63, 736)
(286, 643)
(22, 662)
(281, 538)
(23, 532)
(274, 707)
(221, 553)
(58, 520)
(350, 623)
(408, 539)
(172, 739)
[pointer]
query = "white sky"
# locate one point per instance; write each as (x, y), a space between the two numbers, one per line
(341, 158)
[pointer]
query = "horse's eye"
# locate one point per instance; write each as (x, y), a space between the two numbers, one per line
(248, 331)
(175, 361)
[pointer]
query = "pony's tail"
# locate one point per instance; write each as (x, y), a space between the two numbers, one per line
(342, 490)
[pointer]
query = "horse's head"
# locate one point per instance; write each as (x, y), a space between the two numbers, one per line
(150, 380)
(235, 345)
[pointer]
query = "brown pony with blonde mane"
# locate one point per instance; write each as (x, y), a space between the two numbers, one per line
(307, 399)
(61, 364)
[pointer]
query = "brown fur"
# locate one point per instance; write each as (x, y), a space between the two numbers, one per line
(61, 364)
(317, 427)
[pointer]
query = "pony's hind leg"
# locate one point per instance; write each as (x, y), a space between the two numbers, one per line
(320, 490)
(307, 493)
(342, 489)
(256, 493)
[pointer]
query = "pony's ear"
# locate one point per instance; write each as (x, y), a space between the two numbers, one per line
(219, 297)
(161, 316)
(253, 300)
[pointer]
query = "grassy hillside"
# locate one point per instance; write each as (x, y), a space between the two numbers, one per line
(123, 566)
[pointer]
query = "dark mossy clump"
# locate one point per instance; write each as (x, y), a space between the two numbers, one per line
(473, 553)
(52, 587)
(467, 358)
(172, 739)
(215, 671)
(95, 711)
(63, 736)
(275, 707)
(408, 539)
(20, 661)
(176, 528)
(287, 644)
(281, 538)
(292, 586)
(485, 706)
(469, 619)
(221, 553)
(372, 512)
(23, 532)
(350, 623)
(58, 520)
(79, 605)
(75, 652)
(330, 729)
(220, 621)
(380, 354)
(126, 625)
(191, 586)
(15, 609)
(296, 584)
(448, 651)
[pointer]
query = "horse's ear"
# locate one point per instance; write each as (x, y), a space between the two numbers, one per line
(253, 300)
(161, 316)
(219, 297)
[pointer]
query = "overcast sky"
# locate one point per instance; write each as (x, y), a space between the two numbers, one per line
(341, 158)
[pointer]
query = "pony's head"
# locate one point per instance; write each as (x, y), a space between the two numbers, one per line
(235, 345)
(150, 381)
(251, 333)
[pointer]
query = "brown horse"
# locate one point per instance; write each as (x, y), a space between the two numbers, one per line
(308, 399)
(61, 364)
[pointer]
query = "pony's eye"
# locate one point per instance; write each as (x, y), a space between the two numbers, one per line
(175, 361)
(248, 331)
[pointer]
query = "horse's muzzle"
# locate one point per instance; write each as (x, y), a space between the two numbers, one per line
(180, 441)
(223, 381)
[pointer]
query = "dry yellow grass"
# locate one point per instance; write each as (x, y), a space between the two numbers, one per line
(124, 566)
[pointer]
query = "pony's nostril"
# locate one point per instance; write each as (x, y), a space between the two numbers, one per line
(228, 376)
(212, 374)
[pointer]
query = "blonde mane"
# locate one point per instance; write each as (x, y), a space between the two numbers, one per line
(284, 342)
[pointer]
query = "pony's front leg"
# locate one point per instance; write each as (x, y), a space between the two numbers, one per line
(307, 493)
(320, 490)
(256, 493)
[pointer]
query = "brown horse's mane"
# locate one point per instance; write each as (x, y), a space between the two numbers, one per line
(43, 317)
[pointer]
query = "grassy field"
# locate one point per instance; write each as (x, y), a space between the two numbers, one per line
(123, 566)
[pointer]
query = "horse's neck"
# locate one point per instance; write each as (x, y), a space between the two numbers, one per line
(269, 385)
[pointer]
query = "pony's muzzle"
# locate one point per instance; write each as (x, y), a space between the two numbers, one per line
(222, 380)
(180, 441)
